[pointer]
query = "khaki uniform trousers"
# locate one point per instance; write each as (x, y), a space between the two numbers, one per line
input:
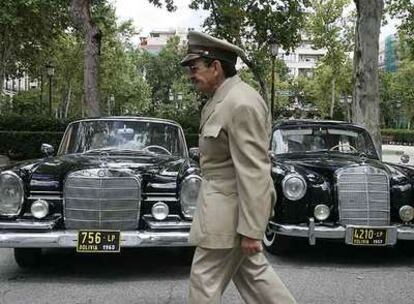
(255, 279)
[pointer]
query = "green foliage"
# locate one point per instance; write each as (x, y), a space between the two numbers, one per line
(404, 11)
(317, 90)
(27, 29)
(25, 103)
(251, 24)
(398, 136)
(22, 135)
(397, 94)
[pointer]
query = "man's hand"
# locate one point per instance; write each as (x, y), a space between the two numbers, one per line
(250, 246)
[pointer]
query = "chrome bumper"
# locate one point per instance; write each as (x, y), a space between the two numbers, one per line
(68, 238)
(314, 231)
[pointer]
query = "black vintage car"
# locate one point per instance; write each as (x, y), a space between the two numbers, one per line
(114, 183)
(332, 185)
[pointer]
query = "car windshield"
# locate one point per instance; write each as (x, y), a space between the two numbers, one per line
(122, 135)
(317, 139)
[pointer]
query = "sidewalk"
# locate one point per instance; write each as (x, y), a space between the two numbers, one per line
(392, 153)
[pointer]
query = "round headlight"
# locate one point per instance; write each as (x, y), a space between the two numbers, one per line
(294, 187)
(39, 209)
(406, 213)
(321, 212)
(11, 193)
(189, 194)
(160, 211)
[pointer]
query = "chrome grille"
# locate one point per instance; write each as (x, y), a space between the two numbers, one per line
(363, 196)
(109, 202)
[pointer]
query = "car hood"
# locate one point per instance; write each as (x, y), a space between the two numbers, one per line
(327, 164)
(50, 173)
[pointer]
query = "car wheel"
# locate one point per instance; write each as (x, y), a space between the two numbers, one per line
(27, 257)
(276, 244)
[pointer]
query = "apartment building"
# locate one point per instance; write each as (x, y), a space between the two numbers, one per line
(303, 60)
(157, 39)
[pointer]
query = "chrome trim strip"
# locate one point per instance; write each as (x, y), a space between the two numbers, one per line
(159, 193)
(402, 232)
(109, 210)
(29, 225)
(160, 198)
(46, 192)
(46, 198)
(99, 221)
(171, 222)
(68, 238)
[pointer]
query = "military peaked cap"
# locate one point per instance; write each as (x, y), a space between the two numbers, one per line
(201, 45)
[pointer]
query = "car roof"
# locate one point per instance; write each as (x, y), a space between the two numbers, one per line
(315, 122)
(130, 118)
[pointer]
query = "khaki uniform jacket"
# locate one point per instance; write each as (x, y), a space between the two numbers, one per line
(237, 193)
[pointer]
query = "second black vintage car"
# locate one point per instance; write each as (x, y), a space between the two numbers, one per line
(332, 185)
(114, 183)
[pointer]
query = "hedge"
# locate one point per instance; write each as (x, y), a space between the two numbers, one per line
(397, 136)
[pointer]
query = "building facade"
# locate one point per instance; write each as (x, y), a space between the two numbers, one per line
(304, 59)
(157, 39)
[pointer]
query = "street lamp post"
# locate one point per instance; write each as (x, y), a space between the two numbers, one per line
(274, 48)
(50, 71)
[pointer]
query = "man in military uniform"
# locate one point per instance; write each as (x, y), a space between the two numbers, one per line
(237, 194)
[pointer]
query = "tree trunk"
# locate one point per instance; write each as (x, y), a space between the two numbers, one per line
(331, 111)
(80, 11)
(365, 105)
(65, 115)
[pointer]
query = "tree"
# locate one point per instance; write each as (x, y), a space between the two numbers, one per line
(326, 30)
(365, 89)
(250, 24)
(81, 16)
(27, 28)
(404, 11)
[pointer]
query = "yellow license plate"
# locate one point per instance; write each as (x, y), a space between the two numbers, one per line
(98, 241)
(369, 236)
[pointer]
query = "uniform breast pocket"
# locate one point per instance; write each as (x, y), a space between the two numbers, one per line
(212, 140)
(211, 131)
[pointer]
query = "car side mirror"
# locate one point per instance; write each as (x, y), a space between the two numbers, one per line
(194, 154)
(405, 158)
(47, 150)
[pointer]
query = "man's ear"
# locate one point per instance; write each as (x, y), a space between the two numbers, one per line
(217, 66)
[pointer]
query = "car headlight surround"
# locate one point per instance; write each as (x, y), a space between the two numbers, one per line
(160, 211)
(190, 188)
(11, 193)
(40, 209)
(406, 213)
(321, 212)
(294, 186)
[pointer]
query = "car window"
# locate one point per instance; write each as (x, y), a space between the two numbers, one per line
(313, 139)
(134, 135)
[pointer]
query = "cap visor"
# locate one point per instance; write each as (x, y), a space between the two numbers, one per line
(188, 58)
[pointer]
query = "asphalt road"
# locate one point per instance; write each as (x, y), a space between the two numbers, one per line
(329, 273)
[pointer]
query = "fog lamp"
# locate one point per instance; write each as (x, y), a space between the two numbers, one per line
(406, 213)
(321, 212)
(40, 209)
(160, 211)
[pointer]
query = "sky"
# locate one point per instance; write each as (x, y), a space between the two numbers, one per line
(147, 17)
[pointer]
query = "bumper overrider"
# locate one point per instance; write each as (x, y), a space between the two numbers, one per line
(314, 231)
(32, 234)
